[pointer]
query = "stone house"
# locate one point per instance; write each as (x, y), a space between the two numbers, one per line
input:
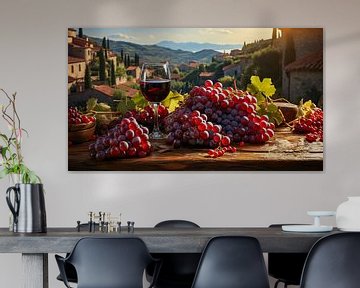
(133, 71)
(76, 73)
(233, 70)
(304, 75)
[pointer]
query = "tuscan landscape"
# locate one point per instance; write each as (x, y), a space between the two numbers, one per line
(281, 68)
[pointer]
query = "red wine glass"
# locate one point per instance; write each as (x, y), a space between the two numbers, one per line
(155, 87)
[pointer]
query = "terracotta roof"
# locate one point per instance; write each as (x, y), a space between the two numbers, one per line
(131, 68)
(207, 74)
(75, 60)
(71, 79)
(107, 90)
(312, 62)
(194, 64)
(81, 42)
(230, 66)
(130, 92)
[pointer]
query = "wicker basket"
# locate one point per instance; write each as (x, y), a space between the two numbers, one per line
(81, 133)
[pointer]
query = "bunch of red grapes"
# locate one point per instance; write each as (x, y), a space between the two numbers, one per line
(213, 116)
(311, 125)
(75, 117)
(146, 115)
(127, 139)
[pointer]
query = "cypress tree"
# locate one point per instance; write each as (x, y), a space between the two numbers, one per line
(104, 43)
(87, 80)
(108, 44)
(102, 73)
(112, 72)
(122, 55)
(80, 33)
(137, 59)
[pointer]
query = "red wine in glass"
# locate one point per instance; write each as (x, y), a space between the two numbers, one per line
(155, 87)
(155, 91)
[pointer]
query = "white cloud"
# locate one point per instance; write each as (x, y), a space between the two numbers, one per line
(216, 31)
(121, 36)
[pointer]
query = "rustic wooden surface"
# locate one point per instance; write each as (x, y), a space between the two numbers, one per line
(286, 152)
(158, 240)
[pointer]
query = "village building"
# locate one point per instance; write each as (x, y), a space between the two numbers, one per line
(133, 71)
(80, 47)
(233, 70)
(194, 64)
(302, 77)
(305, 77)
(236, 52)
(203, 76)
(76, 73)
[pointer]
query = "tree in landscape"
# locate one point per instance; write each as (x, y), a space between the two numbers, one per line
(108, 44)
(102, 65)
(103, 43)
(88, 82)
(112, 74)
(80, 33)
(137, 62)
(122, 54)
(201, 68)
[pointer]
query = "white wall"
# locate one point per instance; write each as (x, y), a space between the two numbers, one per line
(33, 55)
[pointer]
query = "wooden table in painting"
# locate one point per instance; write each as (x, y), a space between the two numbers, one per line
(286, 152)
(35, 247)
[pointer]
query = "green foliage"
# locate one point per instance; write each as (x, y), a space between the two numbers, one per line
(125, 104)
(172, 101)
(102, 66)
(88, 82)
(112, 74)
(120, 71)
(93, 105)
(118, 94)
(178, 86)
(103, 45)
(80, 34)
(12, 161)
(264, 90)
(227, 81)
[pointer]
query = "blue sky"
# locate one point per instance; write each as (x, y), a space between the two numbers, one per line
(200, 35)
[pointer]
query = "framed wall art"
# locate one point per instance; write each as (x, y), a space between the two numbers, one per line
(200, 99)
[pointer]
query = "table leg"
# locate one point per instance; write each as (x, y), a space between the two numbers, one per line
(35, 270)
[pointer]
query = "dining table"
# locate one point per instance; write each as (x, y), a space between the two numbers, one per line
(35, 247)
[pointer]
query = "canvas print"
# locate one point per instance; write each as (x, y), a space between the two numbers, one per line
(200, 99)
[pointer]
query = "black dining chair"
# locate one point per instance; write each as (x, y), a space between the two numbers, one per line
(70, 271)
(232, 262)
(333, 262)
(286, 267)
(108, 263)
(178, 269)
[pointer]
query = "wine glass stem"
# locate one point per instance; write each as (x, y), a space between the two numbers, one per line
(156, 117)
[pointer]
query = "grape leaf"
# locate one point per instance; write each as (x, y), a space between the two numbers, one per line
(266, 87)
(124, 106)
(140, 100)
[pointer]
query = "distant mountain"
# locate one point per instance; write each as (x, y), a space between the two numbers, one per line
(155, 53)
(195, 47)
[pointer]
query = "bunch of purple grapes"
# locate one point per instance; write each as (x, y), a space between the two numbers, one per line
(233, 111)
(185, 127)
(127, 139)
(146, 116)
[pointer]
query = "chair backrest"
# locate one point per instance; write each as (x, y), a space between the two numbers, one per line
(110, 262)
(333, 262)
(286, 266)
(232, 262)
(176, 224)
(177, 267)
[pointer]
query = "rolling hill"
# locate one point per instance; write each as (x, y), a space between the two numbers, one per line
(195, 46)
(154, 53)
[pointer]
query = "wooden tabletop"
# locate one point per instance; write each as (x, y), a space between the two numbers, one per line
(158, 240)
(286, 152)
